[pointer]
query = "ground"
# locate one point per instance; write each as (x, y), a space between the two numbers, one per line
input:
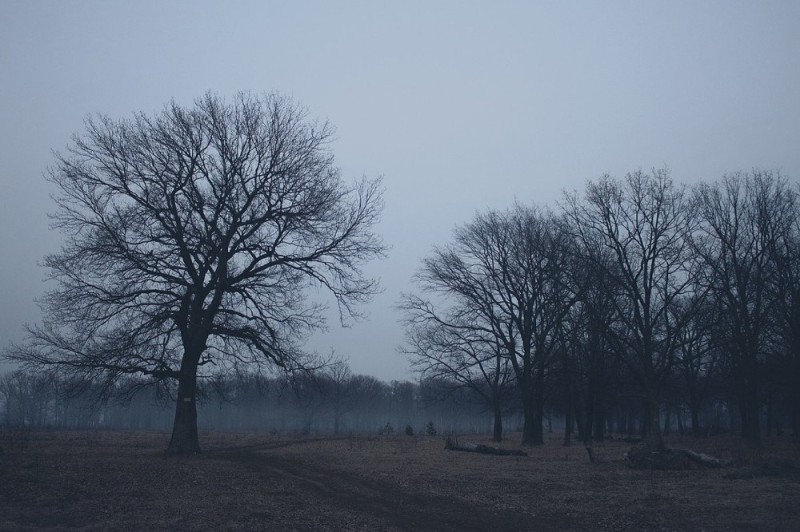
(123, 480)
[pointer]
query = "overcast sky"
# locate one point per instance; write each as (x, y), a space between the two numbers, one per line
(461, 106)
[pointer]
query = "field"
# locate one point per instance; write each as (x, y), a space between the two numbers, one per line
(122, 480)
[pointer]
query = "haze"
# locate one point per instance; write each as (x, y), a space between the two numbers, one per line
(461, 106)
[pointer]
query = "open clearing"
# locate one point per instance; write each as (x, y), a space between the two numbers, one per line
(123, 480)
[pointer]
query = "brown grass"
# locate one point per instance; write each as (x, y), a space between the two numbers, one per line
(123, 480)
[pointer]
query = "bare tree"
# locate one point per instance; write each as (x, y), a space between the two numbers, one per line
(697, 356)
(644, 221)
(537, 289)
(587, 334)
(452, 349)
(739, 216)
(508, 273)
(785, 251)
(190, 239)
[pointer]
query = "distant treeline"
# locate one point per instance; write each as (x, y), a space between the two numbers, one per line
(323, 402)
(335, 401)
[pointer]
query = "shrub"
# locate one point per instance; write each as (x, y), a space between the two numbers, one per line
(430, 430)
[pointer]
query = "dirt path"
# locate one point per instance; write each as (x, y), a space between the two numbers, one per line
(71, 480)
(384, 502)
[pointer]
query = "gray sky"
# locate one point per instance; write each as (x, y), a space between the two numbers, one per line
(461, 106)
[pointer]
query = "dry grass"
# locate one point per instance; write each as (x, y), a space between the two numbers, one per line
(122, 480)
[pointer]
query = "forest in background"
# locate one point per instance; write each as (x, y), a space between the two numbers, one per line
(338, 402)
(639, 295)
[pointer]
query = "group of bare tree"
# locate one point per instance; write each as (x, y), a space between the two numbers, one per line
(636, 284)
(192, 238)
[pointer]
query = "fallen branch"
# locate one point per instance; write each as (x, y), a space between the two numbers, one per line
(700, 458)
(454, 445)
(676, 459)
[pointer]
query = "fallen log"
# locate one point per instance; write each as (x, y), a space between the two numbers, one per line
(674, 459)
(454, 445)
(700, 458)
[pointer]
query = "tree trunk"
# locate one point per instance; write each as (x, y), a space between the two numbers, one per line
(748, 410)
(652, 429)
(497, 429)
(584, 427)
(538, 407)
(599, 423)
(770, 413)
(796, 424)
(568, 421)
(184, 430)
(630, 421)
(796, 415)
(530, 436)
(588, 420)
(694, 407)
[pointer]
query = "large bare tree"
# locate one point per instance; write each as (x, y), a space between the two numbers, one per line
(587, 345)
(536, 289)
(644, 222)
(191, 237)
(698, 354)
(743, 217)
(785, 250)
(508, 277)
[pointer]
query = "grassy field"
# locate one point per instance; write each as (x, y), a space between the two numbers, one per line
(122, 480)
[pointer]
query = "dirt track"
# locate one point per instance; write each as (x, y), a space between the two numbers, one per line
(97, 481)
(387, 504)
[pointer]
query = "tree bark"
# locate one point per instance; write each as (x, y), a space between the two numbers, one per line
(586, 421)
(184, 430)
(630, 421)
(599, 423)
(770, 413)
(796, 423)
(694, 408)
(796, 414)
(530, 436)
(497, 429)
(538, 412)
(652, 428)
(748, 405)
(568, 421)
(695, 420)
